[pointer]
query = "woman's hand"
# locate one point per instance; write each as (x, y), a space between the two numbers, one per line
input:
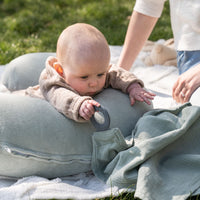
(186, 84)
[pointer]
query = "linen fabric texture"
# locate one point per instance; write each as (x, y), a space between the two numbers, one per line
(162, 161)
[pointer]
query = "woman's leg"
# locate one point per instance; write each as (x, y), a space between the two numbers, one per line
(187, 59)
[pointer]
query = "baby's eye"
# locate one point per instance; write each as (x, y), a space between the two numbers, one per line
(100, 75)
(84, 77)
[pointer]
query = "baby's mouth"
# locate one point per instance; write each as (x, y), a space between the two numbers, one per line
(93, 93)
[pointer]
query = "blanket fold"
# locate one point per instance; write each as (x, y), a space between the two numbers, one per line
(163, 160)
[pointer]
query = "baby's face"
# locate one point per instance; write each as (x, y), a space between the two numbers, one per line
(86, 78)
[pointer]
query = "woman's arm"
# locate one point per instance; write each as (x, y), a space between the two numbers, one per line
(139, 29)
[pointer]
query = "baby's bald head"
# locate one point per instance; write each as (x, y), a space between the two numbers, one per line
(80, 43)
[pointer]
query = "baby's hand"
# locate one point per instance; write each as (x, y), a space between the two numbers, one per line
(87, 109)
(136, 92)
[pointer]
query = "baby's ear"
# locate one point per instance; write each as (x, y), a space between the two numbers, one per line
(57, 66)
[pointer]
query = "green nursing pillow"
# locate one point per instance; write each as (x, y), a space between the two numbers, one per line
(35, 139)
(24, 71)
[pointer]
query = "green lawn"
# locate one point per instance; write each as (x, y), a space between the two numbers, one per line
(34, 26)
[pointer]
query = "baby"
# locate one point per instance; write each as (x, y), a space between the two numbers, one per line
(81, 69)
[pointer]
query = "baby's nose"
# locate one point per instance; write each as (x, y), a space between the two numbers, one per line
(93, 83)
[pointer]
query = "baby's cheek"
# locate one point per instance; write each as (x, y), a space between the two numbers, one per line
(103, 82)
(81, 88)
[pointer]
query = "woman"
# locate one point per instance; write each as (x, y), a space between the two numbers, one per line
(185, 20)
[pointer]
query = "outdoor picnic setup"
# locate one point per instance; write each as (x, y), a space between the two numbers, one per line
(128, 149)
(161, 143)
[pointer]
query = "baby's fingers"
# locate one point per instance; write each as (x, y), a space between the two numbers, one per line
(94, 103)
(149, 95)
(136, 97)
(86, 109)
(141, 97)
(89, 111)
(146, 100)
(84, 114)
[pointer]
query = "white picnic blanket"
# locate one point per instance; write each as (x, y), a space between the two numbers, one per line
(158, 79)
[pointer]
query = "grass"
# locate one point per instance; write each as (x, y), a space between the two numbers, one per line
(34, 26)
(130, 196)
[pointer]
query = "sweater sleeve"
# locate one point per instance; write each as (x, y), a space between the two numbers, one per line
(151, 8)
(119, 78)
(63, 99)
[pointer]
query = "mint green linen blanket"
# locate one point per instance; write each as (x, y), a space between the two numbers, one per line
(161, 161)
